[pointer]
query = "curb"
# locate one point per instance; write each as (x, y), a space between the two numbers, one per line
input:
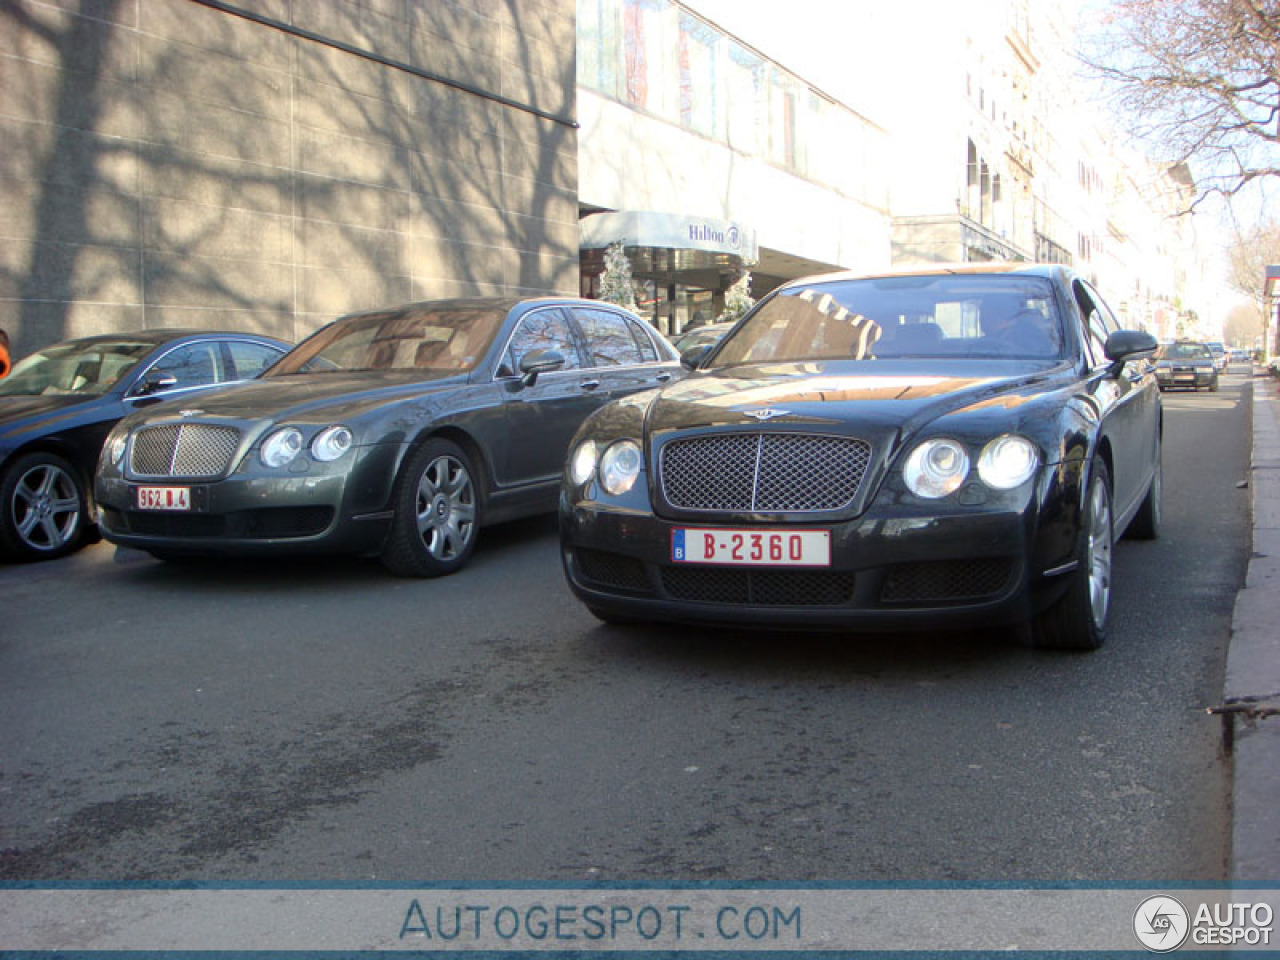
(1253, 661)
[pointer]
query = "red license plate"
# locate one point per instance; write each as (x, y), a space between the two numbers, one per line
(756, 548)
(164, 498)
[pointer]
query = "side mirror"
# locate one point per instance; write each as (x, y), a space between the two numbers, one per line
(694, 355)
(1125, 345)
(155, 382)
(537, 362)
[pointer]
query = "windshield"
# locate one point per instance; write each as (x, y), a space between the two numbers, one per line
(902, 317)
(1184, 351)
(450, 339)
(81, 369)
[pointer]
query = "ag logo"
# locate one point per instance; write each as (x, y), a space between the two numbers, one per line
(1161, 923)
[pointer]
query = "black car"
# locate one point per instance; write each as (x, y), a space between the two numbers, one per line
(1187, 365)
(396, 433)
(59, 403)
(947, 448)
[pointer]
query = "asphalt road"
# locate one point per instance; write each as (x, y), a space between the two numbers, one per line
(322, 721)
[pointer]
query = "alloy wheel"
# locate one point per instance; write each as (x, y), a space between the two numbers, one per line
(446, 508)
(1099, 552)
(46, 508)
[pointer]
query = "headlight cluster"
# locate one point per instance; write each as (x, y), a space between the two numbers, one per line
(939, 466)
(283, 446)
(116, 446)
(617, 467)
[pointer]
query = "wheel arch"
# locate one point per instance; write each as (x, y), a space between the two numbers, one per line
(462, 439)
(56, 446)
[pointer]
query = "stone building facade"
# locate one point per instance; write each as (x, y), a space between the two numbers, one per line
(268, 165)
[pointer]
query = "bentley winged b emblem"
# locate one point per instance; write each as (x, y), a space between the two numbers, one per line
(765, 413)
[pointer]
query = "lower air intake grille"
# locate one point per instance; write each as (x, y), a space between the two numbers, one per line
(946, 580)
(773, 588)
(613, 570)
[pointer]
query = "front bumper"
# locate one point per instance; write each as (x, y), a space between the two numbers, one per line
(890, 568)
(331, 508)
(1188, 379)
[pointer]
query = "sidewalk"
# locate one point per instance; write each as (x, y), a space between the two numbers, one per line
(1253, 659)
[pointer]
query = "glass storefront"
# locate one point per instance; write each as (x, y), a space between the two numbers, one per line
(681, 266)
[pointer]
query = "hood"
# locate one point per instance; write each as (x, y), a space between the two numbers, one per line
(20, 415)
(309, 397)
(894, 397)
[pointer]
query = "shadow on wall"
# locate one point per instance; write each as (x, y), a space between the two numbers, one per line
(178, 165)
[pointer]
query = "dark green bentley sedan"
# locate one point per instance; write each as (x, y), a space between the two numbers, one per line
(396, 433)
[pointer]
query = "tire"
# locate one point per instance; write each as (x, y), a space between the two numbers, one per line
(43, 508)
(1213, 387)
(1145, 524)
(1078, 621)
(437, 513)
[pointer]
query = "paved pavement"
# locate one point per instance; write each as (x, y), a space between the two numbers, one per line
(1252, 684)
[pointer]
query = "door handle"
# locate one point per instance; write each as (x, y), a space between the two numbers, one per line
(590, 384)
(663, 377)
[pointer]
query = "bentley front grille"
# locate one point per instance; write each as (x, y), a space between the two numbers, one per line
(763, 472)
(183, 450)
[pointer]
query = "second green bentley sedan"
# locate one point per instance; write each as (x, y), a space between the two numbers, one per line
(397, 433)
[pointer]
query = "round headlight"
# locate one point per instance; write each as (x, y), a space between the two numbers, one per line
(620, 466)
(583, 462)
(331, 443)
(1008, 461)
(279, 449)
(115, 449)
(936, 468)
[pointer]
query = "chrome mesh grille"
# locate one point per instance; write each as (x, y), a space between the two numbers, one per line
(183, 450)
(763, 472)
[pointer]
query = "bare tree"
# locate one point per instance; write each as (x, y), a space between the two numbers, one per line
(1199, 80)
(1248, 257)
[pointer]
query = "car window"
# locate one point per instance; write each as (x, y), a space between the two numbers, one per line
(75, 367)
(543, 330)
(193, 365)
(250, 359)
(901, 317)
(648, 352)
(608, 339)
(1099, 323)
(445, 338)
(1184, 351)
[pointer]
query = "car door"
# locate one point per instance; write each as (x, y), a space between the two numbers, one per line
(621, 351)
(1129, 403)
(541, 417)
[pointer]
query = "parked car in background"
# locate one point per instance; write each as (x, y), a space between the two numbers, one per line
(1219, 351)
(59, 403)
(702, 336)
(1186, 365)
(397, 433)
(1238, 357)
(946, 448)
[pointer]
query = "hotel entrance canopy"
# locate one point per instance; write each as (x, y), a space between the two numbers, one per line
(677, 248)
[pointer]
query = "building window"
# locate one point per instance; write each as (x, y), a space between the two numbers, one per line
(699, 65)
(660, 57)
